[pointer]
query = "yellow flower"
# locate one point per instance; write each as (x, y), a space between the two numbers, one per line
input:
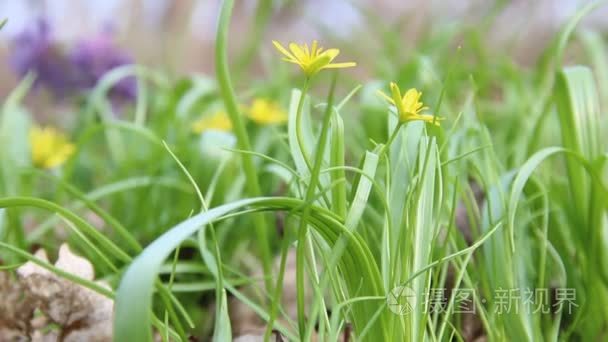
(311, 60)
(218, 121)
(50, 148)
(266, 112)
(409, 105)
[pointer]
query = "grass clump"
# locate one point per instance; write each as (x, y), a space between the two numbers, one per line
(486, 218)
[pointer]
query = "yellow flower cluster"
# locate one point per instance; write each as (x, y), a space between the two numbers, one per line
(262, 111)
(50, 147)
(314, 59)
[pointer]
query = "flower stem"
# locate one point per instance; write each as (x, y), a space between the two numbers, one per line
(310, 194)
(299, 137)
(299, 124)
(390, 139)
(227, 93)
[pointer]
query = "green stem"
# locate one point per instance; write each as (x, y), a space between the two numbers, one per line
(227, 92)
(390, 139)
(299, 124)
(299, 138)
(310, 194)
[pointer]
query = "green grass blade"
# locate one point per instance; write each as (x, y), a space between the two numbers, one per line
(338, 197)
(222, 332)
(229, 98)
(359, 203)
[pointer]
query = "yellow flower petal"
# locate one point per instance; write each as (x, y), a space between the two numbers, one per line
(313, 49)
(386, 97)
(282, 50)
(331, 53)
(396, 93)
(291, 60)
(306, 50)
(316, 65)
(299, 52)
(430, 119)
(340, 65)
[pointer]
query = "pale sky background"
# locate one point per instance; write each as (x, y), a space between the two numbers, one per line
(156, 31)
(73, 17)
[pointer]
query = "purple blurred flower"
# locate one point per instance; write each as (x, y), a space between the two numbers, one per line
(93, 57)
(35, 50)
(74, 71)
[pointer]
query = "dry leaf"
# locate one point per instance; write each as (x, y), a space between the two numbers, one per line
(16, 311)
(82, 314)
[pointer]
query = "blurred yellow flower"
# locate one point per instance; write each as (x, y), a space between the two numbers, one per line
(311, 60)
(409, 105)
(218, 121)
(50, 147)
(266, 112)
